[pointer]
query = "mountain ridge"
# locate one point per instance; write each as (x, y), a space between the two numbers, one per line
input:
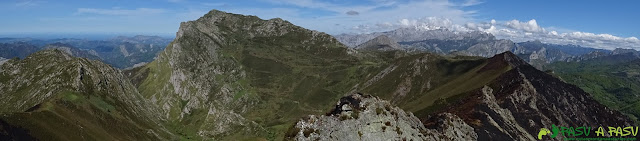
(50, 89)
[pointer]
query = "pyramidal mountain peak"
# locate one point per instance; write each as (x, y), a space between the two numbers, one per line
(381, 42)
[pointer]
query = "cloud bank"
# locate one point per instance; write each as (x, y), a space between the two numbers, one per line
(518, 31)
(385, 15)
(530, 30)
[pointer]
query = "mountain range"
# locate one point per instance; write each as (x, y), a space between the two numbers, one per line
(236, 77)
(473, 43)
(120, 52)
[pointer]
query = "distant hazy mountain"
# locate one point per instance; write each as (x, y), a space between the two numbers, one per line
(443, 41)
(382, 43)
(440, 41)
(73, 51)
(413, 34)
(121, 52)
(540, 54)
(16, 49)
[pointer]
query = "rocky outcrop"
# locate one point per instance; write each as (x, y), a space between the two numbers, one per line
(364, 117)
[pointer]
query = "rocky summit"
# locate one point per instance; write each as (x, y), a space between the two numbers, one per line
(236, 77)
(364, 117)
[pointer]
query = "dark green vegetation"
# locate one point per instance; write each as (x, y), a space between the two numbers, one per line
(612, 80)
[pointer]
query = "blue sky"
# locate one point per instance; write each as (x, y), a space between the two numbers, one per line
(601, 24)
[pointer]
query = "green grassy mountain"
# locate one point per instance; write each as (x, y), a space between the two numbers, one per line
(228, 76)
(54, 96)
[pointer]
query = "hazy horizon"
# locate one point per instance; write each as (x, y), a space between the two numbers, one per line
(91, 36)
(597, 24)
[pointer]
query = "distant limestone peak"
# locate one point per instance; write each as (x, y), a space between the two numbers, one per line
(71, 50)
(624, 51)
(381, 43)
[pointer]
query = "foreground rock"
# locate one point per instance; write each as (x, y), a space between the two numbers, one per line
(364, 117)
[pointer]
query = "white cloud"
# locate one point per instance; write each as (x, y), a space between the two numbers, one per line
(514, 30)
(353, 13)
(120, 12)
(471, 3)
(527, 31)
(530, 26)
(369, 14)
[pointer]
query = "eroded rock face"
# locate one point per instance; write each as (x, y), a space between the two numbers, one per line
(364, 117)
(522, 100)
